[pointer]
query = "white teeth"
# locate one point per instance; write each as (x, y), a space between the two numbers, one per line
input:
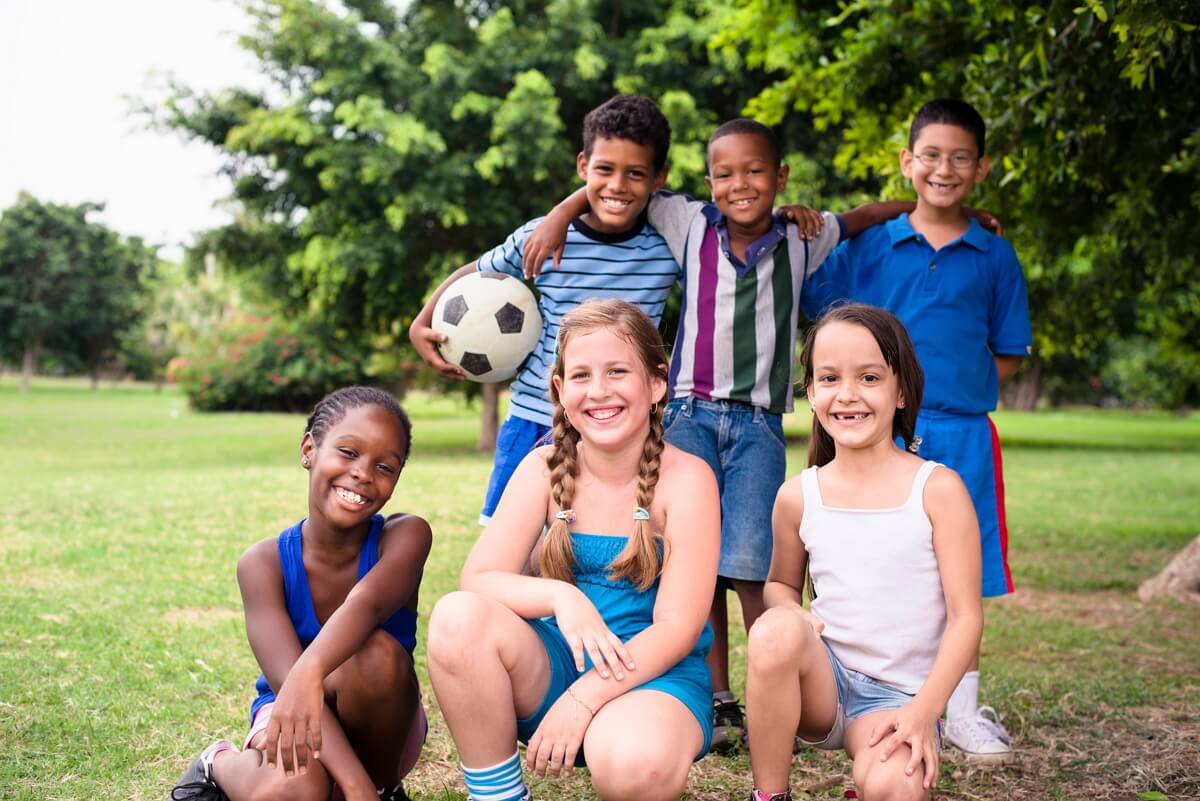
(612, 201)
(346, 494)
(603, 414)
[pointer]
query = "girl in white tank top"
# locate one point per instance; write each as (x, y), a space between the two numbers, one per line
(892, 547)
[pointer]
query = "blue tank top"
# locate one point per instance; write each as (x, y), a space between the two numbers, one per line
(402, 625)
(626, 610)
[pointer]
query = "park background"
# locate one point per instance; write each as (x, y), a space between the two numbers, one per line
(384, 144)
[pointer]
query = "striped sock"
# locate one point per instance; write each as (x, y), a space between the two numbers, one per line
(498, 783)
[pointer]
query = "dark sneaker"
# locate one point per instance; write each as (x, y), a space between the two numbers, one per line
(394, 794)
(759, 795)
(197, 782)
(729, 727)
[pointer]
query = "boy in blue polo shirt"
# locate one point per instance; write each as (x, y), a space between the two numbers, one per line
(610, 252)
(960, 292)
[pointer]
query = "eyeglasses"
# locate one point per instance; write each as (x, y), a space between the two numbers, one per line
(959, 161)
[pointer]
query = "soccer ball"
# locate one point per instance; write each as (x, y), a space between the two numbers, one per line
(491, 321)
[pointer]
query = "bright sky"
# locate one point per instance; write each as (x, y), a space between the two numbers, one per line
(67, 68)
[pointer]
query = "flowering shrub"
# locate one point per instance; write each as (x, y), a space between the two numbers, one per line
(264, 363)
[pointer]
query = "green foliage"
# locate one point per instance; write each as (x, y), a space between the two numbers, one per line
(1093, 138)
(69, 287)
(264, 363)
(395, 144)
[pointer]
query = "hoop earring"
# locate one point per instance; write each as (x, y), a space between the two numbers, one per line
(654, 408)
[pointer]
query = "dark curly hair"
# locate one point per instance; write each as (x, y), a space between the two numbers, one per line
(949, 111)
(333, 407)
(631, 117)
(743, 125)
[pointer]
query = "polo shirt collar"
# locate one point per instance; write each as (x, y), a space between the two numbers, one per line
(755, 250)
(900, 230)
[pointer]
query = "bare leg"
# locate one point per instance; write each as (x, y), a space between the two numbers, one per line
(882, 781)
(488, 668)
(718, 656)
(790, 689)
(641, 746)
(750, 596)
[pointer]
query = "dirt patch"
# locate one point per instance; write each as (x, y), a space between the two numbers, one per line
(200, 616)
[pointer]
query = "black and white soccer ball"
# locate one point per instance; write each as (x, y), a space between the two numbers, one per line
(491, 322)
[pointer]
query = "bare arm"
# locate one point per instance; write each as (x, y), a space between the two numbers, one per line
(956, 547)
(422, 335)
(276, 647)
(548, 237)
(789, 559)
(1007, 365)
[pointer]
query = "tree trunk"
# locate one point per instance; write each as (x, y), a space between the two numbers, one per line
(490, 417)
(1025, 391)
(1179, 579)
(27, 363)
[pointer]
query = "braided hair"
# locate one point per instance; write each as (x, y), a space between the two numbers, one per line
(333, 407)
(639, 561)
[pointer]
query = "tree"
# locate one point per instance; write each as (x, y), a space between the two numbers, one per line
(1095, 143)
(395, 144)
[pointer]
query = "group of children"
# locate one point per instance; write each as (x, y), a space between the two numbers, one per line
(628, 497)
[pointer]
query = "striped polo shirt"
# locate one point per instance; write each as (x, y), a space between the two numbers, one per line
(737, 329)
(634, 265)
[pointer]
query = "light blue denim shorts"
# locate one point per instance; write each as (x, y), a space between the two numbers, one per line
(859, 695)
(744, 446)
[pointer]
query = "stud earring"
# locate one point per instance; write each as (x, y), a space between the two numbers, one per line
(305, 462)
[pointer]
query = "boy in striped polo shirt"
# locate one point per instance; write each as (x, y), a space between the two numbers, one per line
(731, 368)
(610, 252)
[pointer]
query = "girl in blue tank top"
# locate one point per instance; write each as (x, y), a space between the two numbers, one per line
(891, 544)
(331, 617)
(595, 657)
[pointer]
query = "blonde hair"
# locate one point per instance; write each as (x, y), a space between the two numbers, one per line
(639, 560)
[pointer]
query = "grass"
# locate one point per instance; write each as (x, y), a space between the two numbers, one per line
(124, 650)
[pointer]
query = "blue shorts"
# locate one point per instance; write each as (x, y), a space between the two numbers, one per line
(968, 445)
(858, 695)
(516, 438)
(687, 682)
(745, 448)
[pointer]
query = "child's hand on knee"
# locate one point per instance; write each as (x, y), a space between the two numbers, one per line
(586, 632)
(553, 747)
(914, 727)
(812, 620)
(295, 725)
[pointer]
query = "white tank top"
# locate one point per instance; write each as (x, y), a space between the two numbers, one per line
(877, 584)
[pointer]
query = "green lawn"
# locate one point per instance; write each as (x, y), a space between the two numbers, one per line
(124, 653)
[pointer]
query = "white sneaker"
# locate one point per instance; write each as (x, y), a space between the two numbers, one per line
(980, 737)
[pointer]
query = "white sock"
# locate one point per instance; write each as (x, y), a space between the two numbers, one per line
(964, 701)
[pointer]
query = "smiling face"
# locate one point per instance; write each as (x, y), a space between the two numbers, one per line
(605, 389)
(942, 185)
(744, 176)
(353, 471)
(853, 391)
(620, 177)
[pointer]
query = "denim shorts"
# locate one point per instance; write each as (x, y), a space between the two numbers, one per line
(515, 440)
(744, 446)
(859, 695)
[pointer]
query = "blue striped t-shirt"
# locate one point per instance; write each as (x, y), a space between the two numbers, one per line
(634, 265)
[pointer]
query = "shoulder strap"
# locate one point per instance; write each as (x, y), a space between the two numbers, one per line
(369, 554)
(918, 488)
(812, 490)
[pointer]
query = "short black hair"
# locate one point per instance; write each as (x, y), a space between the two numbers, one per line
(631, 117)
(949, 111)
(743, 125)
(333, 407)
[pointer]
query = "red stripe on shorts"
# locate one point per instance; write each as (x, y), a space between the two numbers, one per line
(998, 478)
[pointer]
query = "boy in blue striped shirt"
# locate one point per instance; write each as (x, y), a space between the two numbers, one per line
(610, 252)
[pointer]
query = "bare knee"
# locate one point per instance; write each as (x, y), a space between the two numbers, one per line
(778, 640)
(312, 786)
(382, 662)
(886, 781)
(637, 769)
(456, 627)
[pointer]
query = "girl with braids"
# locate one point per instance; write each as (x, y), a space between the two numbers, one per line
(331, 617)
(602, 653)
(891, 544)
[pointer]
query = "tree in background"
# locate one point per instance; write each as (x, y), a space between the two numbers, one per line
(68, 286)
(1094, 130)
(395, 144)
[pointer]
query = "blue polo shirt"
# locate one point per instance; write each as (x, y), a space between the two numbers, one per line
(961, 304)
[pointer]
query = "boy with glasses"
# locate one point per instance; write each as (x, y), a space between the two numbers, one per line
(960, 292)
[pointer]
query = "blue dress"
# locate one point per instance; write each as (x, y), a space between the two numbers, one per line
(402, 625)
(627, 611)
